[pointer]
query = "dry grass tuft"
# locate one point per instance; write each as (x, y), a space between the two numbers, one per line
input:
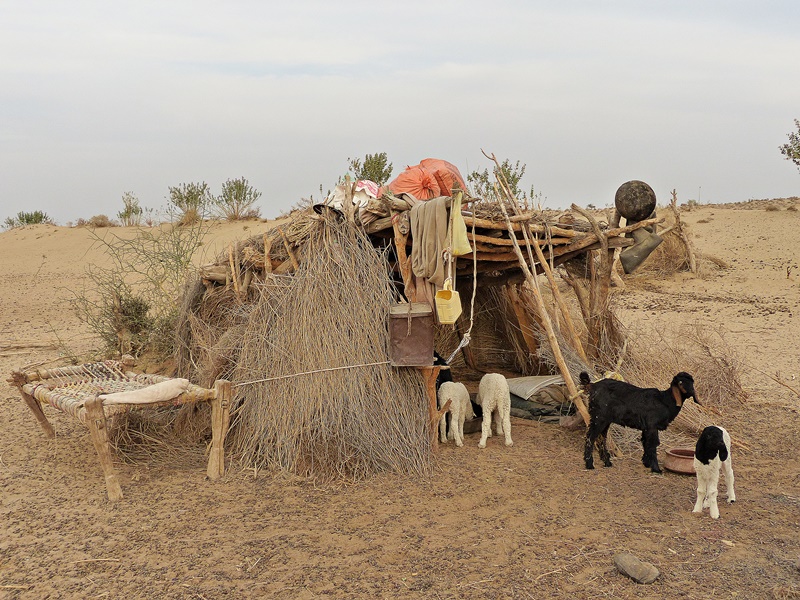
(163, 436)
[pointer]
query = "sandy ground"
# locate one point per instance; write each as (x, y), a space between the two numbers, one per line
(521, 522)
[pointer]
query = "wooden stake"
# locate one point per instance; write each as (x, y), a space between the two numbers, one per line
(522, 318)
(430, 374)
(96, 421)
(220, 421)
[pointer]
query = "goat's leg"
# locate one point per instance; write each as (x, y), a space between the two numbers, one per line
(644, 448)
(728, 468)
(702, 484)
(443, 429)
(506, 418)
(486, 428)
(711, 494)
(651, 443)
(457, 426)
(592, 432)
(602, 448)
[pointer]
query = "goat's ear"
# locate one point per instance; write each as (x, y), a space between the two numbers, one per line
(723, 452)
(677, 396)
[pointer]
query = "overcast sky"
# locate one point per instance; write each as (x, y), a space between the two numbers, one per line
(101, 98)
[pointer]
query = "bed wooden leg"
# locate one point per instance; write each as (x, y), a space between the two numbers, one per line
(37, 411)
(220, 420)
(96, 421)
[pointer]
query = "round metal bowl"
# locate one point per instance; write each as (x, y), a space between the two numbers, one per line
(680, 460)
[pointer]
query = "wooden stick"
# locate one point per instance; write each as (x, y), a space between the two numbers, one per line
(673, 204)
(576, 341)
(36, 409)
(545, 318)
(289, 250)
(404, 261)
(267, 248)
(234, 273)
(96, 421)
(522, 318)
(430, 374)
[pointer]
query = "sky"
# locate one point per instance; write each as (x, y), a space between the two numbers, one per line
(102, 98)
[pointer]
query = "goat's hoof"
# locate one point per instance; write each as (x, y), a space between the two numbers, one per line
(589, 467)
(731, 500)
(608, 464)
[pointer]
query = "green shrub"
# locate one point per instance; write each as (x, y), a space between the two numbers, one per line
(131, 214)
(133, 304)
(22, 219)
(190, 198)
(375, 167)
(236, 200)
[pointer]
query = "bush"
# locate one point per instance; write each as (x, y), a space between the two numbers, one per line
(99, 221)
(375, 167)
(236, 200)
(191, 198)
(131, 214)
(22, 219)
(133, 305)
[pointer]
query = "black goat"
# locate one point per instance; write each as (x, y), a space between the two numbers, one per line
(444, 371)
(647, 409)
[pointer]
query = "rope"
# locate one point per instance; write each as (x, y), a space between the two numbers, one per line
(373, 364)
(467, 337)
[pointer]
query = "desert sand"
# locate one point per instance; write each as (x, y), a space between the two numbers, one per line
(521, 522)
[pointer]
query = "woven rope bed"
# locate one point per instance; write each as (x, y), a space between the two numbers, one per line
(93, 393)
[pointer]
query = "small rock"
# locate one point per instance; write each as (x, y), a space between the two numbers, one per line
(638, 570)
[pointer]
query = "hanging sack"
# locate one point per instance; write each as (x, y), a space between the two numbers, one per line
(458, 228)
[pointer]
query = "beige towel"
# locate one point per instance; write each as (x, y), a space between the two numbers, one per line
(158, 392)
(429, 232)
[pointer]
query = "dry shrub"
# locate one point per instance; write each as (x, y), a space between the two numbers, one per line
(654, 357)
(191, 216)
(669, 257)
(315, 395)
(163, 436)
(100, 221)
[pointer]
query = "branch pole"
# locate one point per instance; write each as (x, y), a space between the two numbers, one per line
(545, 318)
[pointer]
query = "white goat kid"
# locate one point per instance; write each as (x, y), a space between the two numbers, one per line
(460, 409)
(495, 400)
(713, 450)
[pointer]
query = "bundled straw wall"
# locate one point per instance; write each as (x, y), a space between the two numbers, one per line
(316, 395)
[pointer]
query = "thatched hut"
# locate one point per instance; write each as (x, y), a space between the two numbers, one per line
(297, 318)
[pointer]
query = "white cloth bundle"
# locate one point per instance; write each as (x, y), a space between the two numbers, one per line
(158, 392)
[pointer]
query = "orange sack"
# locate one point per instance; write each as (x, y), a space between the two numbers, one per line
(431, 178)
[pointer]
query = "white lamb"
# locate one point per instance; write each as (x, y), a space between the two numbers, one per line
(460, 409)
(494, 397)
(713, 450)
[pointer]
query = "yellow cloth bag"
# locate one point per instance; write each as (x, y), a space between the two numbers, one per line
(460, 243)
